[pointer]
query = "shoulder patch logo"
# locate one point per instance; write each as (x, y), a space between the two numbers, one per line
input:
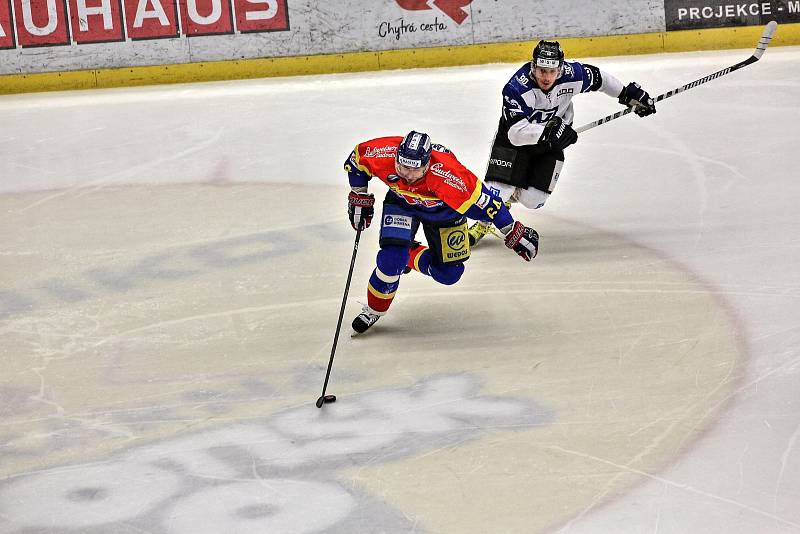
(512, 106)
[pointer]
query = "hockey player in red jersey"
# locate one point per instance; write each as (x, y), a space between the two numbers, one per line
(428, 186)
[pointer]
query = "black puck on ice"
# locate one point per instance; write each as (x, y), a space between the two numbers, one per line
(327, 399)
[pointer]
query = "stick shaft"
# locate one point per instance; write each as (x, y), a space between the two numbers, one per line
(763, 42)
(341, 313)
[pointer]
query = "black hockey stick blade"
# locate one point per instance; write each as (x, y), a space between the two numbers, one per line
(325, 399)
(761, 47)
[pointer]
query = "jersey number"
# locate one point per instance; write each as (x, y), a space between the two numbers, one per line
(492, 211)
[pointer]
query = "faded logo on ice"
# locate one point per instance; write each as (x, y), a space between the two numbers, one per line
(274, 475)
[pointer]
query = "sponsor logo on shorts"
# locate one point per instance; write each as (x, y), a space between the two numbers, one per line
(397, 221)
(455, 246)
(500, 162)
(456, 241)
(457, 254)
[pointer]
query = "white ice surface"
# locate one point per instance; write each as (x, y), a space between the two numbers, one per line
(710, 183)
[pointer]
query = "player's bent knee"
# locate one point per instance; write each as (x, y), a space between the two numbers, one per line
(447, 274)
(533, 198)
(392, 259)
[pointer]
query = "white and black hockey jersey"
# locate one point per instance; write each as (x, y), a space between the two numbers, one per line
(526, 108)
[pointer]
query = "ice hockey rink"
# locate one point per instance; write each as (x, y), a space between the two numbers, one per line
(172, 264)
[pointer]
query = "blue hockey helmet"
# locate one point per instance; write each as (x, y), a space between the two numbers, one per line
(547, 54)
(414, 150)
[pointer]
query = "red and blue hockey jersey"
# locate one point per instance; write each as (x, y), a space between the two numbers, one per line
(447, 190)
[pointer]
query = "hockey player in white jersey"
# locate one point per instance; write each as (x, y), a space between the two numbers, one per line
(536, 125)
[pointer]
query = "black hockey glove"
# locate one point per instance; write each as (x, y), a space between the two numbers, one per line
(360, 209)
(634, 96)
(557, 134)
(523, 240)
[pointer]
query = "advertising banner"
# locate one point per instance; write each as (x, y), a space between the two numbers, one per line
(60, 22)
(6, 26)
(92, 34)
(697, 14)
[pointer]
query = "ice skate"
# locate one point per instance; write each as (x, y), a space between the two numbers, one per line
(364, 320)
(477, 232)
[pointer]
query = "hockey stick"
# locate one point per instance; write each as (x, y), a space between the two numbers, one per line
(763, 43)
(323, 399)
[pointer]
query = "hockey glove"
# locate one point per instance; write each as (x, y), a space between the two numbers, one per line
(360, 209)
(634, 96)
(557, 134)
(523, 240)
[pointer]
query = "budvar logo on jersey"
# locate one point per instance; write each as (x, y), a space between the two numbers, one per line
(451, 8)
(449, 178)
(380, 152)
(64, 22)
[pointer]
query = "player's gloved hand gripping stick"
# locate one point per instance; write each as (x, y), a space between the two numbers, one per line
(761, 47)
(360, 209)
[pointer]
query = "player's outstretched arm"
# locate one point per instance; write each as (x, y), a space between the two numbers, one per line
(520, 238)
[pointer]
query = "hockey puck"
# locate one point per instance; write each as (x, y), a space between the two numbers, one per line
(327, 399)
